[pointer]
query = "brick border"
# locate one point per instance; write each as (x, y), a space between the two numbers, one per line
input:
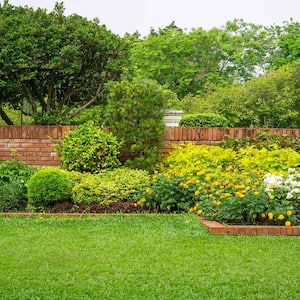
(216, 228)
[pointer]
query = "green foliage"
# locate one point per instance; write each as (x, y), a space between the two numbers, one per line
(14, 176)
(15, 169)
(195, 158)
(47, 186)
(89, 149)
(203, 120)
(117, 185)
(224, 184)
(12, 195)
(264, 140)
(135, 115)
(55, 64)
(288, 44)
(267, 101)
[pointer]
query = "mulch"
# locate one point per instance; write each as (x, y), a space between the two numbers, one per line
(115, 207)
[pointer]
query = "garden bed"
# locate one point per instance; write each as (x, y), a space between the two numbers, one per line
(216, 228)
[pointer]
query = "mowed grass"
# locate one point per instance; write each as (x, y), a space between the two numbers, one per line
(142, 257)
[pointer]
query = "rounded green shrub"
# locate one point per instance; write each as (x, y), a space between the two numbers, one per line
(203, 120)
(89, 149)
(47, 186)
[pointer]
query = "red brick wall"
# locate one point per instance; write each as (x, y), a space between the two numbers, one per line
(34, 146)
(212, 136)
(32, 143)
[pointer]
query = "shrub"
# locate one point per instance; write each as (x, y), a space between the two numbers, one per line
(12, 195)
(14, 176)
(134, 113)
(228, 186)
(89, 149)
(117, 185)
(204, 120)
(194, 158)
(47, 186)
(225, 195)
(12, 169)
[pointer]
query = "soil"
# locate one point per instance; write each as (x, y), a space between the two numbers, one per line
(115, 207)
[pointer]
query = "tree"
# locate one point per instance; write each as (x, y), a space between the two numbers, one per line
(288, 44)
(54, 65)
(134, 113)
(271, 100)
(179, 61)
(200, 61)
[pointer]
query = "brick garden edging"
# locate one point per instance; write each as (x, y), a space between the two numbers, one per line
(216, 228)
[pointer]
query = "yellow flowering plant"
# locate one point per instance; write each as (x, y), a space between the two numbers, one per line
(222, 186)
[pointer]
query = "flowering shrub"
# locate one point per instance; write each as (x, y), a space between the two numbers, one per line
(284, 190)
(227, 186)
(193, 158)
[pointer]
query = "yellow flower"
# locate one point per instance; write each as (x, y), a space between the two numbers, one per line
(272, 197)
(142, 200)
(289, 213)
(191, 209)
(287, 223)
(271, 186)
(135, 204)
(280, 217)
(263, 215)
(199, 212)
(197, 193)
(229, 168)
(270, 216)
(148, 191)
(256, 193)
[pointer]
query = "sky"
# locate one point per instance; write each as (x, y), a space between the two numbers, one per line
(129, 16)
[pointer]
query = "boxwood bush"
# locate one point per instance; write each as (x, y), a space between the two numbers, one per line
(111, 186)
(203, 120)
(48, 185)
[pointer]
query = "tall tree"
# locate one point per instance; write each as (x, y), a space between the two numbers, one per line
(52, 64)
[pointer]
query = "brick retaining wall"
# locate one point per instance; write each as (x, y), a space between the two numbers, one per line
(34, 146)
(213, 136)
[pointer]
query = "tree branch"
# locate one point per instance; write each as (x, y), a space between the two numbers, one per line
(5, 117)
(89, 103)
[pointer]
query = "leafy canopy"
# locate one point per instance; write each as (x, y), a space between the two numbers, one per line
(52, 64)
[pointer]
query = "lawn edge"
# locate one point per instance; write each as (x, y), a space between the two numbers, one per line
(217, 228)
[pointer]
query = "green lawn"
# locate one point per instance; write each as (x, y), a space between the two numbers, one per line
(142, 257)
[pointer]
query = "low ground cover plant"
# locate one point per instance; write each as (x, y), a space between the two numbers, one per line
(226, 185)
(120, 184)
